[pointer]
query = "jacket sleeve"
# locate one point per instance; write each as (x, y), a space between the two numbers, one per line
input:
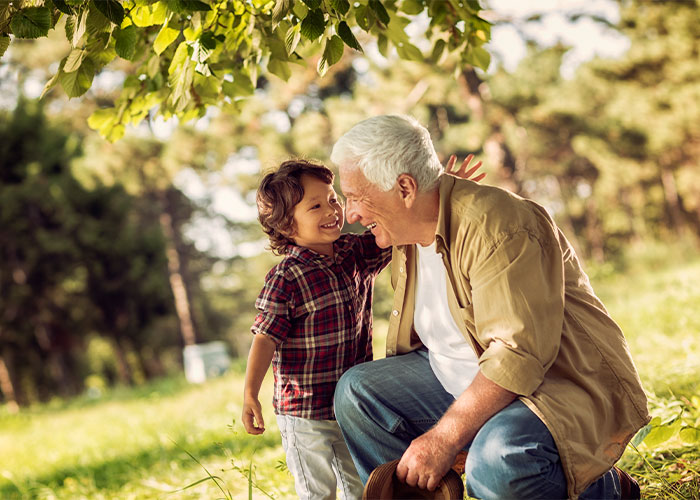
(517, 282)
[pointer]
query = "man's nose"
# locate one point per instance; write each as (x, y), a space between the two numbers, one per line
(351, 213)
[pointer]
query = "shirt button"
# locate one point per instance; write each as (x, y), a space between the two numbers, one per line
(395, 312)
(390, 352)
(400, 269)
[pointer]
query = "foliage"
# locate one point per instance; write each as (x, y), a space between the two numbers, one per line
(75, 262)
(190, 54)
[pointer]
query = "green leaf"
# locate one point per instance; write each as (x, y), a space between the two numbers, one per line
(153, 66)
(334, 50)
(347, 36)
(97, 22)
(331, 54)
(280, 10)
(62, 6)
(409, 52)
(300, 10)
(52, 81)
(291, 39)
(412, 7)
(313, 25)
(438, 49)
(80, 27)
(31, 22)
(74, 60)
(663, 433)
(126, 42)
(364, 17)
(479, 57)
(102, 120)
(643, 433)
(690, 435)
(241, 86)
(185, 6)
(383, 45)
(4, 43)
(341, 6)
(165, 37)
(181, 55)
(313, 4)
(78, 82)
(279, 69)
(382, 14)
(149, 15)
(111, 9)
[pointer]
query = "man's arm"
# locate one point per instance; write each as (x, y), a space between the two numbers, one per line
(431, 455)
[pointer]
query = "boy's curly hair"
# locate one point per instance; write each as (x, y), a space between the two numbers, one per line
(278, 194)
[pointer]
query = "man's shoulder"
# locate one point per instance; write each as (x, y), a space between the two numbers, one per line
(490, 210)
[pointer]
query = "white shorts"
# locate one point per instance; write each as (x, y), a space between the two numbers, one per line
(318, 458)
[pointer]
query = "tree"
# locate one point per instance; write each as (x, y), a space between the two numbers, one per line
(191, 54)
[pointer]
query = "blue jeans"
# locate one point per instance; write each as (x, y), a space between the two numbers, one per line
(381, 406)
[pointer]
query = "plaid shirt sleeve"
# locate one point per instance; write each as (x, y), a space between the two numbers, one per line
(275, 304)
(374, 257)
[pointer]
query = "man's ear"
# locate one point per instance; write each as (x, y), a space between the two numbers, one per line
(408, 189)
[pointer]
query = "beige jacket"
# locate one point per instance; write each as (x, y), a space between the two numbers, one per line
(522, 300)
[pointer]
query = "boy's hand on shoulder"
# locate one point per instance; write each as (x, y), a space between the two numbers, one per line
(464, 172)
(252, 416)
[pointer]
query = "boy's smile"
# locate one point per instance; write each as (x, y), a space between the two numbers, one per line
(318, 217)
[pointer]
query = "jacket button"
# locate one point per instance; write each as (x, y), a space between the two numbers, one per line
(395, 312)
(400, 269)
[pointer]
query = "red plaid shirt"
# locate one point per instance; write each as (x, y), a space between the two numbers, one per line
(319, 311)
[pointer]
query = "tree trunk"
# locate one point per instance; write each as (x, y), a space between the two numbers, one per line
(7, 387)
(123, 368)
(594, 232)
(675, 211)
(177, 284)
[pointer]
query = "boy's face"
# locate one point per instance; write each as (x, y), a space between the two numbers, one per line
(318, 217)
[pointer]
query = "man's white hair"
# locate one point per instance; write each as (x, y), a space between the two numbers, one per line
(386, 146)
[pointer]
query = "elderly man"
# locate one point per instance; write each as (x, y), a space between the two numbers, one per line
(497, 343)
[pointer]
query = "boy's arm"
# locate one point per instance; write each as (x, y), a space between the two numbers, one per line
(259, 360)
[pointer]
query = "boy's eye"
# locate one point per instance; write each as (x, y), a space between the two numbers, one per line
(315, 206)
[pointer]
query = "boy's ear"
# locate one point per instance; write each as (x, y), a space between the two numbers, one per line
(408, 189)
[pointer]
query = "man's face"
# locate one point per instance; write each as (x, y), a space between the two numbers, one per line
(383, 212)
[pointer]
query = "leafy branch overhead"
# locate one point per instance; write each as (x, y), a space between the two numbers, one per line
(191, 54)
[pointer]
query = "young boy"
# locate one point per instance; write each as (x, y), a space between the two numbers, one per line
(315, 322)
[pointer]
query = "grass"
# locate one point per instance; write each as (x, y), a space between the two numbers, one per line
(154, 441)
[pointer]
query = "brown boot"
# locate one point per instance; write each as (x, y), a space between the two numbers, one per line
(628, 485)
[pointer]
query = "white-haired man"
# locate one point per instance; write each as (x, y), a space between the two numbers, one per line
(496, 343)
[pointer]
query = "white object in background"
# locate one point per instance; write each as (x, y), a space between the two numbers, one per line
(203, 361)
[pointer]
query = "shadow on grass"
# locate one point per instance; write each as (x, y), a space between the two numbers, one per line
(112, 475)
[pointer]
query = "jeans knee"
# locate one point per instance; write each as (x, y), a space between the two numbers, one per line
(491, 473)
(346, 394)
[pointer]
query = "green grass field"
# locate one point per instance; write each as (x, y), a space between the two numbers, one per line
(154, 441)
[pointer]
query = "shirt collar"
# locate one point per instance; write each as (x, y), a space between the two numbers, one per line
(308, 256)
(445, 185)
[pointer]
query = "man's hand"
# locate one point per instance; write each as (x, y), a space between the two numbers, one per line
(252, 416)
(427, 460)
(464, 172)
